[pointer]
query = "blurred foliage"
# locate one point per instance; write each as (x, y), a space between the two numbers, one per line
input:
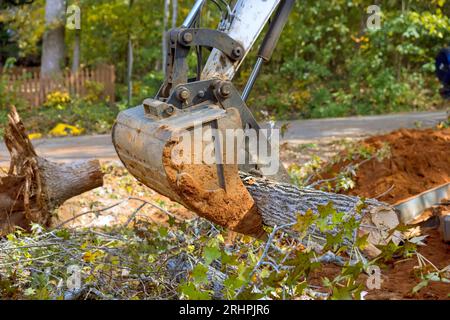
(327, 63)
(78, 115)
(62, 115)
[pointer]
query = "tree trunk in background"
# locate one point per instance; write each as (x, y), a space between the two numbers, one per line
(130, 71)
(53, 47)
(76, 51)
(164, 34)
(174, 13)
(130, 65)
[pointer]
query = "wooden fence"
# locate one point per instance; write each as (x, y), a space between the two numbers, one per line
(27, 83)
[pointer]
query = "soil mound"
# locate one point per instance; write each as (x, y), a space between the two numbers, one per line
(419, 160)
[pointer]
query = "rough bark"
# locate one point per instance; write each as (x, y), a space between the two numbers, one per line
(281, 203)
(130, 63)
(76, 52)
(164, 34)
(174, 13)
(34, 187)
(53, 47)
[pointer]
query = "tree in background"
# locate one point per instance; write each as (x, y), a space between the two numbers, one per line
(165, 27)
(53, 45)
(130, 62)
(327, 62)
(74, 23)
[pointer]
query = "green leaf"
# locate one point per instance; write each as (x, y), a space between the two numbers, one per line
(353, 270)
(192, 293)
(247, 294)
(337, 217)
(304, 221)
(362, 242)
(228, 259)
(233, 282)
(199, 274)
(63, 233)
(327, 210)
(341, 294)
(274, 279)
(210, 254)
(163, 232)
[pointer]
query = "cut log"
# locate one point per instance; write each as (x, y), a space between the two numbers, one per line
(280, 204)
(34, 187)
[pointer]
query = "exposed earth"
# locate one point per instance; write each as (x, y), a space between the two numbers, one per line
(418, 160)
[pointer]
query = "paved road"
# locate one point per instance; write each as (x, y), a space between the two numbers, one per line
(357, 126)
(100, 146)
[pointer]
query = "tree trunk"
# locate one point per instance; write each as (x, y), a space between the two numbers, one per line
(280, 204)
(164, 33)
(76, 52)
(53, 47)
(35, 187)
(130, 71)
(174, 13)
(130, 64)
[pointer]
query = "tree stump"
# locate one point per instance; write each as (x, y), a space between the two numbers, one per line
(34, 187)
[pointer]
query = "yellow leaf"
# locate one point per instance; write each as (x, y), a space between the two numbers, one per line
(33, 136)
(62, 129)
(88, 256)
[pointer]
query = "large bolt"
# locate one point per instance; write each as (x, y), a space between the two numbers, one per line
(187, 37)
(237, 52)
(170, 110)
(225, 90)
(183, 94)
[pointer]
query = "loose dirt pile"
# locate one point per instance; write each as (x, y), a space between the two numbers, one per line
(419, 160)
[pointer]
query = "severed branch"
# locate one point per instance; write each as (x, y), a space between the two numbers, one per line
(34, 187)
(280, 204)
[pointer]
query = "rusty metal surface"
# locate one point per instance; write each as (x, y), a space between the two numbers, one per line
(144, 144)
(140, 141)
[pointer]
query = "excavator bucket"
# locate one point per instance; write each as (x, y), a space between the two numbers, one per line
(150, 148)
(174, 143)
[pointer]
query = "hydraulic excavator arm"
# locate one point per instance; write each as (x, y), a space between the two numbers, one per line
(190, 141)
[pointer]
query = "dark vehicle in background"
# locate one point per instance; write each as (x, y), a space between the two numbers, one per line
(443, 71)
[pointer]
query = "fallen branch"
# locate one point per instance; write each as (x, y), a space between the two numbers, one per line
(280, 204)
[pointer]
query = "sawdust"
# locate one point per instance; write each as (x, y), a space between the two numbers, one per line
(420, 160)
